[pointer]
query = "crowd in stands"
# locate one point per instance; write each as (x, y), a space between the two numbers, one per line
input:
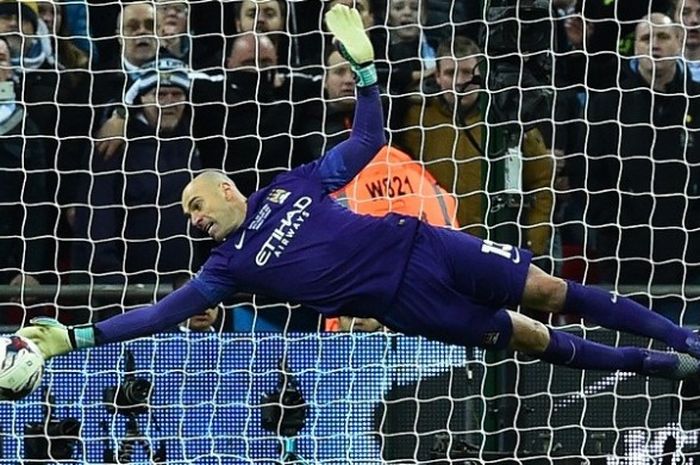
(108, 109)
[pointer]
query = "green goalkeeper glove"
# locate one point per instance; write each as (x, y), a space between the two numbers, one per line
(54, 338)
(346, 25)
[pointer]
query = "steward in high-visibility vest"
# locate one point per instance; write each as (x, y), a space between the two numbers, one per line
(395, 182)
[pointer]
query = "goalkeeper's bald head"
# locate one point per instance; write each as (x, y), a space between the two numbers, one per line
(214, 204)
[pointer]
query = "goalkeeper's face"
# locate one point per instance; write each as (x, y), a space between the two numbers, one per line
(214, 204)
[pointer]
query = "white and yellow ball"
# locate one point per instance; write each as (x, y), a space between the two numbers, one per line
(21, 367)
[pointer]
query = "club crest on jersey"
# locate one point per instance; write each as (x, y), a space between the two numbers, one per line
(278, 196)
(285, 231)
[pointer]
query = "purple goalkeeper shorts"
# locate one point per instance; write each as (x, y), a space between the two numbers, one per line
(455, 289)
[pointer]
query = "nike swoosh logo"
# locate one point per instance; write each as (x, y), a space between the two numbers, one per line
(516, 258)
(239, 244)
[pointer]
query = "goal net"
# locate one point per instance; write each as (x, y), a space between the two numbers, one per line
(563, 127)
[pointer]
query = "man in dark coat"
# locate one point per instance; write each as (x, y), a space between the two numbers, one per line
(643, 175)
(133, 225)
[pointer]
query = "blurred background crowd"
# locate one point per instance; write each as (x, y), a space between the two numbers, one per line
(580, 147)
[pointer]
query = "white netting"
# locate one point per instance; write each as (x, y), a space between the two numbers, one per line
(557, 144)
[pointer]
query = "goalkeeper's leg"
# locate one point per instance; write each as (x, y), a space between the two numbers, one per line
(550, 294)
(561, 348)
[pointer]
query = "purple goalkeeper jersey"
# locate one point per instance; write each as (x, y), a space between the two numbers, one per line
(298, 244)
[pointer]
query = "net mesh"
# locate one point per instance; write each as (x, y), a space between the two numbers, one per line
(542, 132)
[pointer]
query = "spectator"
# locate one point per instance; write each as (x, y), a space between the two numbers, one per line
(350, 324)
(19, 26)
(209, 321)
(444, 131)
(612, 36)
(54, 91)
(31, 53)
(28, 219)
(135, 31)
(133, 227)
(256, 119)
(135, 28)
(687, 13)
(643, 176)
(266, 17)
(138, 46)
(297, 71)
(446, 18)
(67, 54)
(269, 17)
(328, 122)
(411, 58)
(172, 28)
(242, 120)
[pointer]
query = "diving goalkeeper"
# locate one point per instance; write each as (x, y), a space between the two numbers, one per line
(291, 241)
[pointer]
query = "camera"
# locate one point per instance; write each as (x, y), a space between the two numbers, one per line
(51, 439)
(284, 409)
(284, 412)
(131, 396)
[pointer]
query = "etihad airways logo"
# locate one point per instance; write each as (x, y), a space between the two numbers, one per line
(284, 232)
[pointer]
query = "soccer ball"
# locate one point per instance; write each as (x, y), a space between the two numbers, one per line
(21, 367)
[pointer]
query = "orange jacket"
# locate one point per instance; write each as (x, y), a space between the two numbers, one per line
(394, 182)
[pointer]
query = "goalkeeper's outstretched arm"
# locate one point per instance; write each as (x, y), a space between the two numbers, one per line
(337, 169)
(53, 338)
(342, 163)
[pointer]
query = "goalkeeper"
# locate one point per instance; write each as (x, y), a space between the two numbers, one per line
(291, 241)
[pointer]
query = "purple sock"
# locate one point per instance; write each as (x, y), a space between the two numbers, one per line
(623, 314)
(575, 352)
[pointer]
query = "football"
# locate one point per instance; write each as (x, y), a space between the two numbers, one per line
(21, 367)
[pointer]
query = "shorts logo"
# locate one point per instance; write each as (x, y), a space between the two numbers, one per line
(278, 196)
(490, 339)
